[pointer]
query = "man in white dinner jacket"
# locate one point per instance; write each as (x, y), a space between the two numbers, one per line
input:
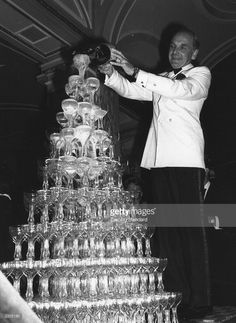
(174, 153)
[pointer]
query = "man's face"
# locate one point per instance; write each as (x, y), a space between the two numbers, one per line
(181, 50)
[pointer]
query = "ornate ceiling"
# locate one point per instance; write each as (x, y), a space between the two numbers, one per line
(39, 30)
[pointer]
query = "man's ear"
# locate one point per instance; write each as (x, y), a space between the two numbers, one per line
(194, 55)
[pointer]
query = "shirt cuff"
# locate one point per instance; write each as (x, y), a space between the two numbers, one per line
(142, 78)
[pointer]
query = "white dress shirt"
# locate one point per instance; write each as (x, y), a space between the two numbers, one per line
(175, 137)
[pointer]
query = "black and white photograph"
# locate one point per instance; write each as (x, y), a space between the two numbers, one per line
(118, 161)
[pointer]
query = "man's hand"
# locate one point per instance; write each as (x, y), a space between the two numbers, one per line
(107, 69)
(118, 59)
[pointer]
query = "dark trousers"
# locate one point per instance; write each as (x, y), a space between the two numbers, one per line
(185, 247)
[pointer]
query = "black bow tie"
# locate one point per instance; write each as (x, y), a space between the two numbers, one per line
(177, 70)
(179, 76)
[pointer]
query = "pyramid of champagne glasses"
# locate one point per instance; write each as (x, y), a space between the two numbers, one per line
(84, 254)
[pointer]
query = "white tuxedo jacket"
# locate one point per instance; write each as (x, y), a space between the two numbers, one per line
(175, 136)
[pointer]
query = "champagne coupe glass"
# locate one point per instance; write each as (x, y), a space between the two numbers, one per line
(93, 114)
(45, 250)
(98, 112)
(149, 233)
(29, 291)
(44, 285)
(52, 172)
(90, 148)
(62, 120)
(81, 204)
(82, 133)
(62, 278)
(43, 198)
(161, 267)
(177, 300)
(17, 280)
(79, 175)
(55, 139)
(47, 171)
(94, 171)
(72, 88)
(68, 135)
(70, 107)
(30, 219)
(71, 205)
(59, 194)
(83, 165)
(70, 168)
(81, 63)
(108, 174)
(84, 94)
(17, 237)
(69, 91)
(99, 117)
(92, 84)
(31, 227)
(31, 246)
(163, 303)
(100, 135)
(169, 303)
(84, 109)
(76, 148)
(93, 141)
(75, 80)
(105, 146)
